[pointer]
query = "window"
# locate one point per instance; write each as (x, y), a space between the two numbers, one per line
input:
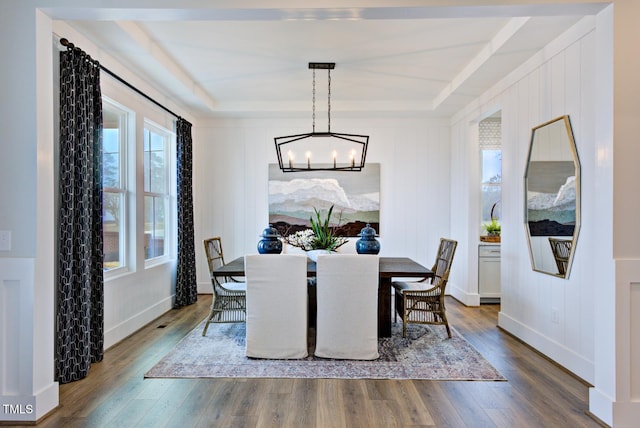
(156, 191)
(114, 181)
(490, 136)
(138, 189)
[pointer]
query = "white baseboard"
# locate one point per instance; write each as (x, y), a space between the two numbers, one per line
(205, 288)
(464, 297)
(29, 408)
(134, 323)
(612, 413)
(601, 406)
(559, 353)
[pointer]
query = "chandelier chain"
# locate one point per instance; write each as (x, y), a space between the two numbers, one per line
(329, 101)
(313, 98)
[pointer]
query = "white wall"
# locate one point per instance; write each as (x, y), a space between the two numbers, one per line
(231, 158)
(560, 80)
(616, 394)
(573, 76)
(26, 185)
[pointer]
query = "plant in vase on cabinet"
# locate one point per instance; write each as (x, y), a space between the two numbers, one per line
(321, 238)
(493, 228)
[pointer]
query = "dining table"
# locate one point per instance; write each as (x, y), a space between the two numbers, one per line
(390, 267)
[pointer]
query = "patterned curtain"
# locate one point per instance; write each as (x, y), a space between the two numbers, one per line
(186, 286)
(80, 305)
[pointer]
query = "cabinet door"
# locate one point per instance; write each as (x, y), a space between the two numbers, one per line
(489, 272)
(489, 276)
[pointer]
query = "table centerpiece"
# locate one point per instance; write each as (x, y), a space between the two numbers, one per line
(320, 239)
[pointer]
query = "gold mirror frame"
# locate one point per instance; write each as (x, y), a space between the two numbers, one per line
(552, 197)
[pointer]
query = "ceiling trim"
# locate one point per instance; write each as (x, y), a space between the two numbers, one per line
(494, 45)
(185, 10)
(139, 36)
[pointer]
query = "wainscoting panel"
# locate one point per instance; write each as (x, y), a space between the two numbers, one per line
(10, 340)
(23, 395)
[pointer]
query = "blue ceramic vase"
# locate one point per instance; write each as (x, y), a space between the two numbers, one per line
(270, 242)
(368, 244)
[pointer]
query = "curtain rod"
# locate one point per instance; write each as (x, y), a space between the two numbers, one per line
(66, 43)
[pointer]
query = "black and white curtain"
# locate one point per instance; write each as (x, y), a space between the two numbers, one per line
(80, 297)
(186, 286)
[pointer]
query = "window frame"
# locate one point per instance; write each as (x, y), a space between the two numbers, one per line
(167, 196)
(488, 142)
(125, 118)
(489, 184)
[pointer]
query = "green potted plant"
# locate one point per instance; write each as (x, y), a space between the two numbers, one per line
(320, 238)
(324, 237)
(493, 228)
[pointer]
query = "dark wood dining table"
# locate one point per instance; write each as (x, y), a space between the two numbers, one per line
(390, 267)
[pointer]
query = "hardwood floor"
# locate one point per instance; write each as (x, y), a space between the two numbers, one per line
(538, 393)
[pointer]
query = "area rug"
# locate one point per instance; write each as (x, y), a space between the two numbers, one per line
(426, 353)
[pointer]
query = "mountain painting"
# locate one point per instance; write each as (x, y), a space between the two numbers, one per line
(355, 197)
(551, 198)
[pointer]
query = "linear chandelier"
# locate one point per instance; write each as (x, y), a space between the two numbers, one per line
(322, 151)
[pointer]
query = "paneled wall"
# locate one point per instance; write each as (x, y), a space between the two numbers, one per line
(551, 314)
(231, 158)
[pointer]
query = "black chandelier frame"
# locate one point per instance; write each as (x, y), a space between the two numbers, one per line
(355, 164)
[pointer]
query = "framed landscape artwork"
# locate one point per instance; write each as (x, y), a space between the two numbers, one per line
(355, 197)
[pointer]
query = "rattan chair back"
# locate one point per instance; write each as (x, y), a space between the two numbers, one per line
(561, 249)
(422, 302)
(229, 294)
(213, 250)
(444, 259)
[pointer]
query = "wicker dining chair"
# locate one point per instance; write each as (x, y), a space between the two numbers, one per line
(229, 294)
(561, 249)
(422, 302)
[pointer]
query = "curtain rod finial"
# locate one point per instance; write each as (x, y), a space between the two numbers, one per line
(66, 43)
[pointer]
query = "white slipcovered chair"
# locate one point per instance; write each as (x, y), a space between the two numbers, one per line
(347, 306)
(277, 306)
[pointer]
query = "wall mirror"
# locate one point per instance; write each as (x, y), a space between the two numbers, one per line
(552, 189)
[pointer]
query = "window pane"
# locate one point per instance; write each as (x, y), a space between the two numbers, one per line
(114, 181)
(158, 178)
(491, 195)
(111, 170)
(154, 226)
(112, 230)
(157, 142)
(111, 156)
(111, 140)
(491, 166)
(154, 163)
(147, 162)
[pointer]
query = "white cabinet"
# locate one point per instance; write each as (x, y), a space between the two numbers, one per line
(489, 273)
